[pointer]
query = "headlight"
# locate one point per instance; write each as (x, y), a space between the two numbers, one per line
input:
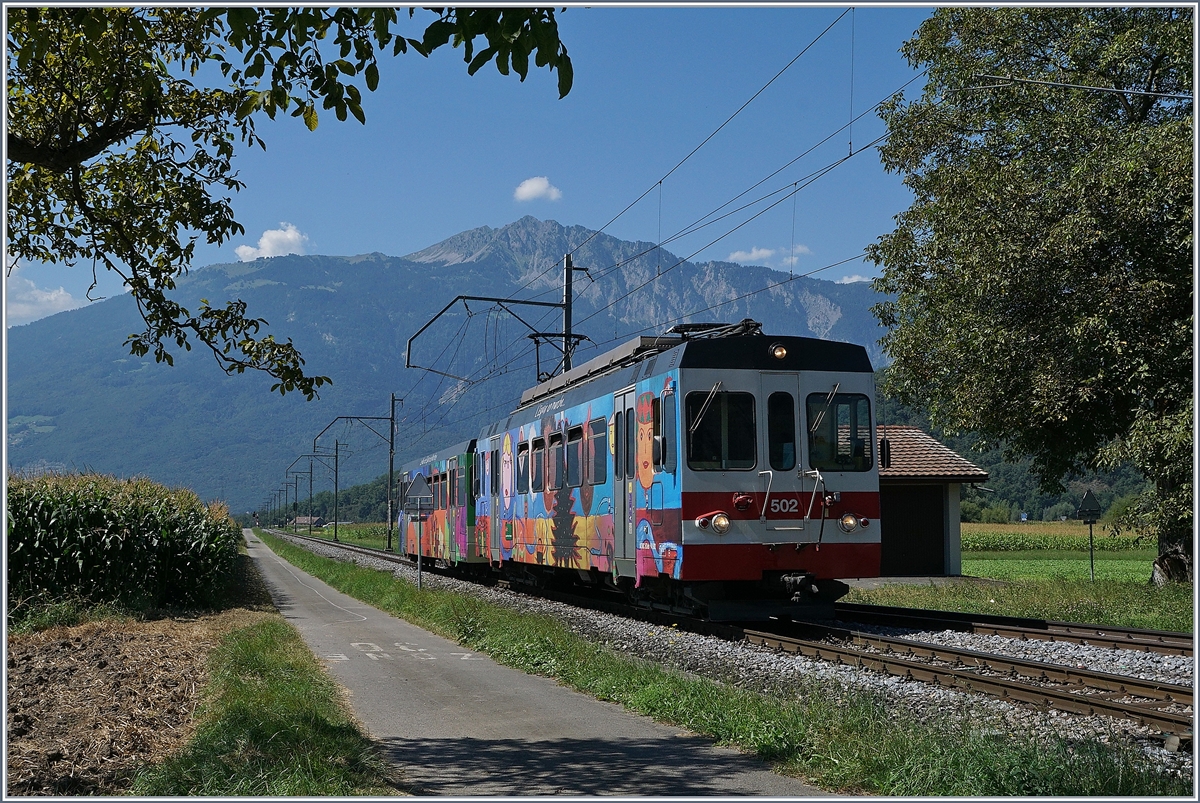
(778, 351)
(720, 524)
(848, 522)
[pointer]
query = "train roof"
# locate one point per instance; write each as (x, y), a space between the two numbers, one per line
(741, 345)
(444, 453)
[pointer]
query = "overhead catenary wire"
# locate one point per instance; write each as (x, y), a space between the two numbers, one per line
(718, 129)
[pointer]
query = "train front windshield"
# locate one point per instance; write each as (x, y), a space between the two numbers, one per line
(839, 435)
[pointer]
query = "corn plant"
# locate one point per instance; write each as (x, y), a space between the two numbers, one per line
(132, 542)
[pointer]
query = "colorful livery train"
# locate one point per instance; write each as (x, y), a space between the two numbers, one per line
(713, 469)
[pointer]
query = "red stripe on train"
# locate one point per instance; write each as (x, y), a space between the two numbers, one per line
(789, 505)
(749, 561)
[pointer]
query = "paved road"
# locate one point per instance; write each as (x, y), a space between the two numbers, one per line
(459, 724)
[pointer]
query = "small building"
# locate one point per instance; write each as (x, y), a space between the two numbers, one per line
(309, 521)
(919, 494)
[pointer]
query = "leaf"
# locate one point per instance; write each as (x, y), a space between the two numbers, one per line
(310, 116)
(372, 76)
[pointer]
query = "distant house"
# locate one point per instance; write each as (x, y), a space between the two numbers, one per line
(307, 521)
(919, 494)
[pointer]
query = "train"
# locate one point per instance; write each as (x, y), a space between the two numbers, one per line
(711, 470)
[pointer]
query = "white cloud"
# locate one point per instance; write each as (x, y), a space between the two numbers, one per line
(796, 249)
(853, 278)
(537, 187)
(24, 301)
(755, 254)
(275, 242)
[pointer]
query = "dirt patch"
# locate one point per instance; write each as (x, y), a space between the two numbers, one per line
(88, 705)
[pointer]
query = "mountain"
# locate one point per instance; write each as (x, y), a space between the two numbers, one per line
(78, 399)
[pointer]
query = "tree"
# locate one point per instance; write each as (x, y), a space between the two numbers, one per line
(120, 142)
(1041, 280)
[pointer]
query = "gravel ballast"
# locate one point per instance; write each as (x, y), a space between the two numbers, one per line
(764, 670)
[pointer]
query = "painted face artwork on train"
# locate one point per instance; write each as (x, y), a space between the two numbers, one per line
(645, 442)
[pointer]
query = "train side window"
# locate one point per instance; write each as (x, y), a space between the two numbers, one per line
(495, 471)
(781, 431)
(720, 431)
(618, 445)
(537, 466)
(554, 462)
(575, 457)
(460, 485)
(839, 432)
(523, 467)
(664, 432)
(598, 444)
(630, 443)
(437, 491)
(481, 460)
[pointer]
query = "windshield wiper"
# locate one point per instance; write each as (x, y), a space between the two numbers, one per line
(821, 415)
(704, 408)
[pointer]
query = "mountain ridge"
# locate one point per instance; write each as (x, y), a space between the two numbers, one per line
(78, 399)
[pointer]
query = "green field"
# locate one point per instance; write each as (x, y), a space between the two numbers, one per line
(1132, 566)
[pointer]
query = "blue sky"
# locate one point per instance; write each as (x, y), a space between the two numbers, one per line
(443, 152)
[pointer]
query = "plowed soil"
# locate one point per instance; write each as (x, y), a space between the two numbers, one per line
(87, 705)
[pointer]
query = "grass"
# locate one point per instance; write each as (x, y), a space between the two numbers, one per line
(273, 724)
(1105, 601)
(1044, 572)
(369, 535)
(43, 613)
(1129, 567)
(843, 739)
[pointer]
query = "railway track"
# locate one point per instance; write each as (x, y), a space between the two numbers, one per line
(1123, 638)
(1166, 707)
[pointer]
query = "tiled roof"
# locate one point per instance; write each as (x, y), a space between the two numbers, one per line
(917, 455)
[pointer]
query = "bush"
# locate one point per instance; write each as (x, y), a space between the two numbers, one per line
(1056, 512)
(106, 540)
(995, 514)
(969, 511)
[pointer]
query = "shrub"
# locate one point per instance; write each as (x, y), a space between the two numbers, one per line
(969, 511)
(130, 542)
(995, 514)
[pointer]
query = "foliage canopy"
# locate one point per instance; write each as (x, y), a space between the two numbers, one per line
(120, 143)
(1042, 277)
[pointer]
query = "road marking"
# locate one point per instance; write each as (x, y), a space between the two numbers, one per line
(336, 656)
(467, 656)
(375, 656)
(366, 646)
(407, 648)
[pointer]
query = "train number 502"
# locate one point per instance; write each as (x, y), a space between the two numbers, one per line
(785, 506)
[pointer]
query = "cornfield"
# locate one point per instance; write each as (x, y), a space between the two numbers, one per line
(132, 542)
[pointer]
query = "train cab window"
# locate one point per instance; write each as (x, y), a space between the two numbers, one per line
(781, 431)
(598, 446)
(477, 476)
(554, 462)
(575, 457)
(839, 432)
(720, 431)
(537, 466)
(523, 468)
(495, 471)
